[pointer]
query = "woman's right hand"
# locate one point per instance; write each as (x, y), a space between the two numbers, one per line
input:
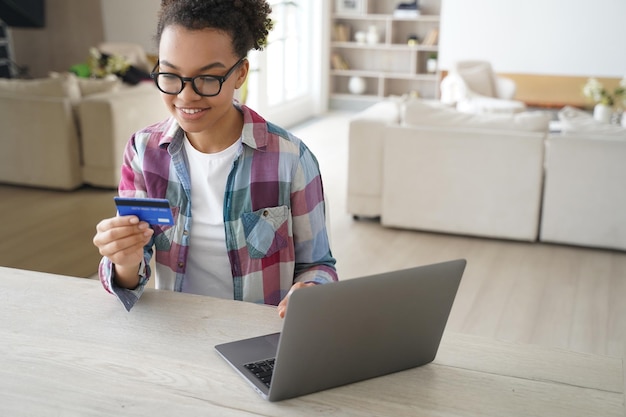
(121, 239)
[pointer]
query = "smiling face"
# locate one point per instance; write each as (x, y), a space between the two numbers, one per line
(210, 122)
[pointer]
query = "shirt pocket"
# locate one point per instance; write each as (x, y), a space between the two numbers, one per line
(266, 230)
(165, 235)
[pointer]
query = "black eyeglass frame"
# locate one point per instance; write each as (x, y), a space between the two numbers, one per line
(184, 80)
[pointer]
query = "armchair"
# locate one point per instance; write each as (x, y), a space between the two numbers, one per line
(473, 87)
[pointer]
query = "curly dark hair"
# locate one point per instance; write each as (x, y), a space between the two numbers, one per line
(246, 21)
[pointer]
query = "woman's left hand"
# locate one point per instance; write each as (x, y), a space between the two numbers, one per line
(282, 306)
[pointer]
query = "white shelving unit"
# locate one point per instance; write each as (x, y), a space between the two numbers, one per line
(393, 65)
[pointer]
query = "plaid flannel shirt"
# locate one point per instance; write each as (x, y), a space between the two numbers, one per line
(274, 211)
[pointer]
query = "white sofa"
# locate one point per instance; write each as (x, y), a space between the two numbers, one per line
(365, 163)
(584, 199)
(63, 131)
(422, 165)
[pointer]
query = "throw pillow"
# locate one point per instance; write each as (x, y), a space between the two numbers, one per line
(479, 78)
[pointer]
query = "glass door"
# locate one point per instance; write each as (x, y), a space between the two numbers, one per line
(284, 79)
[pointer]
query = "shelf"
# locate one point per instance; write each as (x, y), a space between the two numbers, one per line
(385, 75)
(349, 96)
(393, 65)
(385, 46)
(386, 17)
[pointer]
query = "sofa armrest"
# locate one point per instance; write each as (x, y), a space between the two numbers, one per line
(365, 147)
(107, 121)
(40, 145)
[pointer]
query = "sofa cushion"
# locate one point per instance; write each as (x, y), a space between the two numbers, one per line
(575, 121)
(534, 121)
(62, 86)
(421, 113)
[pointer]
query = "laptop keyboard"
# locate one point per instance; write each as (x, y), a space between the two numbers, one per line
(262, 370)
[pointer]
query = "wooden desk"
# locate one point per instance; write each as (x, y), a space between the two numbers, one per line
(68, 348)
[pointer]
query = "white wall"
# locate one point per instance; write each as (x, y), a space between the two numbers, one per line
(72, 27)
(551, 37)
(131, 21)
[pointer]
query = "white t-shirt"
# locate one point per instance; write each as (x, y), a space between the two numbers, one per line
(208, 268)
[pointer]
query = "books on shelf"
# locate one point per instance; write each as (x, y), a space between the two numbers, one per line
(338, 62)
(341, 32)
(408, 9)
(406, 13)
(431, 38)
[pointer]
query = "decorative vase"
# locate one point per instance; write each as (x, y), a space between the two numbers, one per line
(360, 37)
(356, 85)
(602, 113)
(372, 35)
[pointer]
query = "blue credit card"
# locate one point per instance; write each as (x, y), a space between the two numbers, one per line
(151, 210)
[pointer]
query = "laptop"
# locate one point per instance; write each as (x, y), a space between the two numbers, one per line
(348, 331)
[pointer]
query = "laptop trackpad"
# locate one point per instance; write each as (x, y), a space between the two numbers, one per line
(272, 343)
(250, 350)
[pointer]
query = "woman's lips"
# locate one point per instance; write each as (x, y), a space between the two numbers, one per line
(191, 113)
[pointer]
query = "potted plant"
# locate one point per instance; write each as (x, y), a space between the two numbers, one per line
(604, 100)
(431, 63)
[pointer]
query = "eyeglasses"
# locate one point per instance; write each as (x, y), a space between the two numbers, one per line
(203, 85)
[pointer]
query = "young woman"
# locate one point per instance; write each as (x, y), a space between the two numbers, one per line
(246, 195)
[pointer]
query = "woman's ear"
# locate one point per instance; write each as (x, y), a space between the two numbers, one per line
(242, 73)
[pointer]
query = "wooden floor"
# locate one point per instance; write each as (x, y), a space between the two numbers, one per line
(547, 294)
(51, 231)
